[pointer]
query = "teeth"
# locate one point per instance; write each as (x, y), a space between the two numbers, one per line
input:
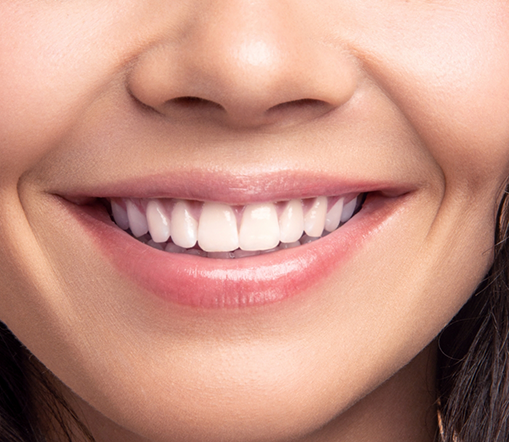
(119, 215)
(217, 230)
(184, 226)
(155, 245)
(173, 248)
(224, 232)
(137, 220)
(314, 221)
(291, 222)
(158, 221)
(348, 210)
(259, 229)
(334, 216)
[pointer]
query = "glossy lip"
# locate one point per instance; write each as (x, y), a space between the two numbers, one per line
(234, 189)
(252, 281)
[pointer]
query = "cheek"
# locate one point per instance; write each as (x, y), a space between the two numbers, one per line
(449, 76)
(56, 59)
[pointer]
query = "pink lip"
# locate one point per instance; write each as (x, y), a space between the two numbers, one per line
(216, 283)
(236, 189)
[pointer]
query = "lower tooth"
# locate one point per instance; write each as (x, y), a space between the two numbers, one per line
(196, 252)
(307, 239)
(289, 245)
(173, 248)
(155, 245)
(239, 253)
(221, 255)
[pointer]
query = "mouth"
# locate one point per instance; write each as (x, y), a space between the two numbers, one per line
(236, 251)
(222, 231)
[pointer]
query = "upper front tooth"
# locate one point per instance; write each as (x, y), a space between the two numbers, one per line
(137, 220)
(314, 221)
(291, 222)
(259, 229)
(348, 210)
(119, 215)
(334, 216)
(158, 221)
(217, 229)
(184, 227)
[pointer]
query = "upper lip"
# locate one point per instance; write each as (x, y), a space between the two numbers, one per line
(236, 189)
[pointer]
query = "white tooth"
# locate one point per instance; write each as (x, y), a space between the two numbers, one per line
(158, 221)
(259, 229)
(184, 227)
(348, 210)
(334, 216)
(137, 220)
(291, 222)
(314, 221)
(119, 215)
(217, 229)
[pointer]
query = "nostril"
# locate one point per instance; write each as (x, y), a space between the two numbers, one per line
(303, 105)
(195, 103)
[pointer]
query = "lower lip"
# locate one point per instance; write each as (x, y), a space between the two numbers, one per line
(221, 283)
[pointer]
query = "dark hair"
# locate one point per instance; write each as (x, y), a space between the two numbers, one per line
(31, 409)
(473, 377)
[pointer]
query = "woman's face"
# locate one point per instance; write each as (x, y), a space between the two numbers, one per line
(245, 103)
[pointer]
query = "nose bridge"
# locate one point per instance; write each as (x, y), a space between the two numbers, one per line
(248, 57)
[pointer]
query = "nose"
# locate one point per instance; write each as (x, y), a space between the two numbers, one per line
(243, 63)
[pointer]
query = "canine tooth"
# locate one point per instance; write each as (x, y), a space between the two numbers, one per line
(184, 227)
(333, 216)
(119, 215)
(217, 229)
(314, 221)
(137, 220)
(259, 229)
(158, 222)
(291, 222)
(348, 210)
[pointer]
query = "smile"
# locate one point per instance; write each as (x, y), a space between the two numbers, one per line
(272, 240)
(218, 230)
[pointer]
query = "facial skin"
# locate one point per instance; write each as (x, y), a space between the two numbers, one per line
(413, 93)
